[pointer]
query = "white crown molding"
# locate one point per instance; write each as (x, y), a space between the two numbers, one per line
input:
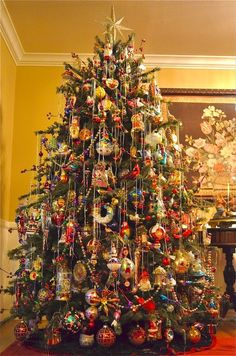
(189, 61)
(23, 58)
(151, 60)
(10, 35)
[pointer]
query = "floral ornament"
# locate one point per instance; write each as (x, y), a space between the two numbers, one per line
(213, 156)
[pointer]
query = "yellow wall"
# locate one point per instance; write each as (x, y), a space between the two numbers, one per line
(197, 78)
(35, 97)
(8, 79)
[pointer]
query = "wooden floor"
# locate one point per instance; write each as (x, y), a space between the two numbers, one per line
(225, 344)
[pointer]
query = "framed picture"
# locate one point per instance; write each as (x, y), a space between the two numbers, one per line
(187, 106)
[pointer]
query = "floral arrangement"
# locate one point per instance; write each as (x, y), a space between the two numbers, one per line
(214, 156)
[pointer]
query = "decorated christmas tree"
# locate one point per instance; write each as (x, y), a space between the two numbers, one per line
(110, 245)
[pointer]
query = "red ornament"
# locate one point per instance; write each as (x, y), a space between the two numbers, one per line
(177, 236)
(166, 261)
(106, 337)
(137, 336)
(187, 233)
(125, 230)
(149, 306)
(21, 331)
(194, 335)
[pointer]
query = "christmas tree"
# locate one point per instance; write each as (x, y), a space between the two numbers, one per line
(111, 248)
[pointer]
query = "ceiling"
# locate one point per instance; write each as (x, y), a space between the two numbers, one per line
(196, 28)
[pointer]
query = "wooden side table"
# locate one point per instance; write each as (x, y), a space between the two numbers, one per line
(225, 238)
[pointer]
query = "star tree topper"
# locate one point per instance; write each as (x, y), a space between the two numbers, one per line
(113, 25)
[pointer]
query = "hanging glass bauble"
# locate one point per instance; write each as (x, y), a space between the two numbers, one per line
(157, 232)
(112, 83)
(92, 297)
(63, 282)
(181, 263)
(73, 321)
(91, 312)
(160, 276)
(106, 336)
(44, 294)
(85, 134)
(21, 331)
(137, 335)
(79, 272)
(104, 147)
(169, 334)
(126, 268)
(100, 92)
(114, 264)
(194, 335)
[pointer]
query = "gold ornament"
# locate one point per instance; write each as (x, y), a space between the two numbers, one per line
(61, 202)
(63, 150)
(91, 312)
(181, 263)
(85, 134)
(64, 177)
(63, 282)
(79, 272)
(105, 147)
(43, 323)
(137, 123)
(112, 83)
(74, 128)
(33, 275)
(160, 276)
(100, 92)
(194, 335)
(86, 340)
(133, 151)
(71, 196)
(37, 264)
(106, 105)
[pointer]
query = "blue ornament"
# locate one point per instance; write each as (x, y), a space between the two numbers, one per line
(164, 298)
(164, 159)
(136, 196)
(212, 305)
(113, 225)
